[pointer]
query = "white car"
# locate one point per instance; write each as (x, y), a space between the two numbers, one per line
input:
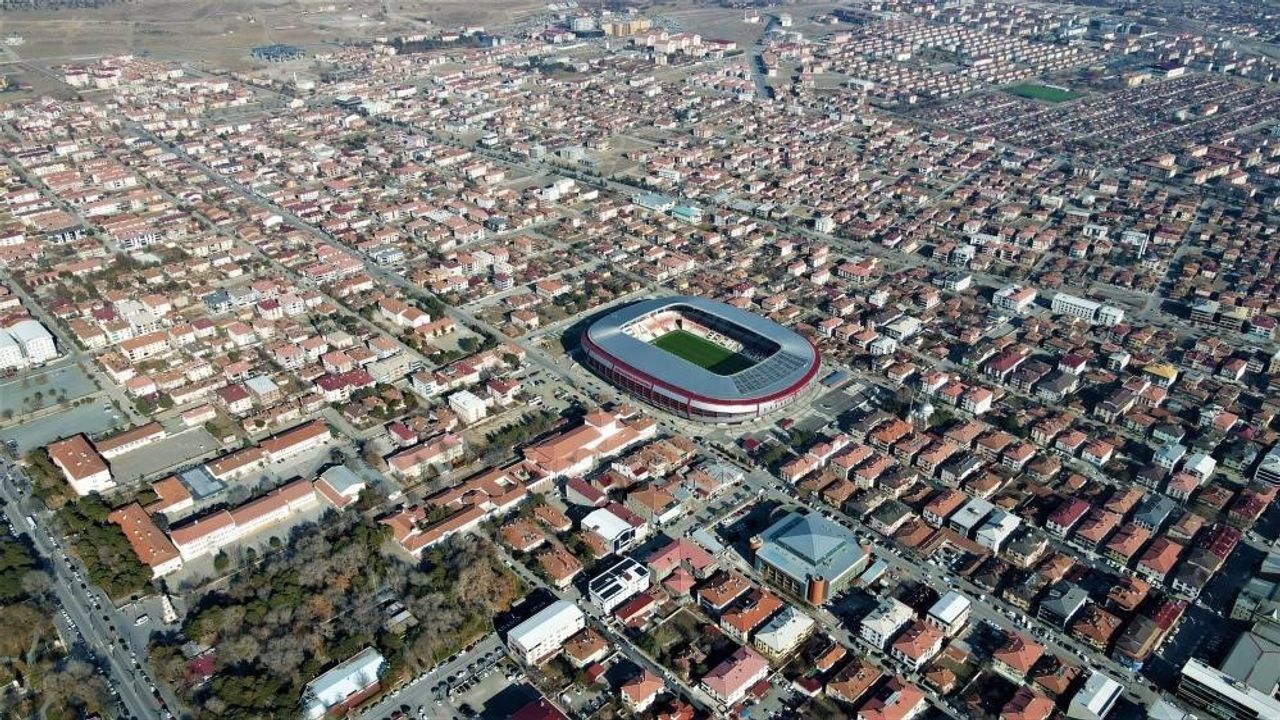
(142, 620)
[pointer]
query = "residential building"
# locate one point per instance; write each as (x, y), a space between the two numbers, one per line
(884, 622)
(619, 583)
(638, 693)
(950, 613)
(728, 682)
(917, 645)
(895, 700)
(853, 681)
(1061, 603)
(1015, 658)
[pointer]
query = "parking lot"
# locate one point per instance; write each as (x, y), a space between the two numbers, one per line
(33, 390)
(474, 683)
(90, 418)
(491, 694)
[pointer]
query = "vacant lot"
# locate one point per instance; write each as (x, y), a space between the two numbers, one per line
(1042, 92)
(703, 352)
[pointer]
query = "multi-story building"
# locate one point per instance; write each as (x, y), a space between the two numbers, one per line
(545, 633)
(728, 682)
(783, 633)
(1269, 469)
(1088, 310)
(879, 627)
(619, 583)
(1095, 699)
(1014, 298)
(83, 467)
(210, 533)
(917, 644)
(950, 613)
(344, 686)
(24, 344)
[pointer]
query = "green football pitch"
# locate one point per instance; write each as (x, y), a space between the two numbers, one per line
(703, 352)
(1042, 92)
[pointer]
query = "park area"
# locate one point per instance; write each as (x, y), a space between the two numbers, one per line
(1047, 93)
(703, 353)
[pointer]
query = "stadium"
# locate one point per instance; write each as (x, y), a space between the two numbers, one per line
(701, 359)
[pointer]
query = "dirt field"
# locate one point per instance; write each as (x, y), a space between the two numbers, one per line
(218, 34)
(221, 32)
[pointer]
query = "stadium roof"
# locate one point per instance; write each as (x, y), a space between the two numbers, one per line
(795, 359)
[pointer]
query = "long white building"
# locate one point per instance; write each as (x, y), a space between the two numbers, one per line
(210, 533)
(1086, 309)
(542, 635)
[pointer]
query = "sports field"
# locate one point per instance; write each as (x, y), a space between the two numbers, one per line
(1042, 92)
(703, 353)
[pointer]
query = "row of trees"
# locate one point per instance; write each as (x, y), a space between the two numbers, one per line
(519, 432)
(37, 678)
(102, 546)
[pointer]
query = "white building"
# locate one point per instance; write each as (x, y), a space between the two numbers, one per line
(1269, 469)
(1014, 298)
(468, 406)
(996, 529)
(617, 533)
(621, 582)
(950, 613)
(884, 622)
(10, 352)
(1203, 686)
(85, 470)
(1088, 310)
(1095, 699)
(210, 533)
(969, 518)
(1200, 465)
(542, 635)
(346, 682)
(783, 633)
(26, 343)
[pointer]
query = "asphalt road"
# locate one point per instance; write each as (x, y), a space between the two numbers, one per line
(91, 613)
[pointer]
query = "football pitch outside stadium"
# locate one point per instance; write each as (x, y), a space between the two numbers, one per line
(703, 353)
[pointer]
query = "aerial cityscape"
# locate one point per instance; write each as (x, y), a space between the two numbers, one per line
(670, 359)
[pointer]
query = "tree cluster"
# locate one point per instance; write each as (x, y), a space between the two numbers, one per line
(323, 598)
(517, 433)
(102, 546)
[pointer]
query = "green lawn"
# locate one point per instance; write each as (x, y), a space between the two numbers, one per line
(1042, 92)
(703, 353)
